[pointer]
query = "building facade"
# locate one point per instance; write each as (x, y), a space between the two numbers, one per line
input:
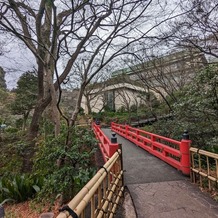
(113, 97)
(161, 76)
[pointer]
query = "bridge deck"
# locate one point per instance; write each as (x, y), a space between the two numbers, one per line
(158, 190)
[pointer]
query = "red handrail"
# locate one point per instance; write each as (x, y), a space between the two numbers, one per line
(106, 146)
(175, 153)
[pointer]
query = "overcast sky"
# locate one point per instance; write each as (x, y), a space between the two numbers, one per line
(15, 61)
(18, 60)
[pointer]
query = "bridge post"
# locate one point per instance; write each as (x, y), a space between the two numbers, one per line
(97, 122)
(185, 156)
(126, 131)
(113, 145)
(113, 138)
(153, 139)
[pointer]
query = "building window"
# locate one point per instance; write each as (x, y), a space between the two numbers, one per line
(110, 100)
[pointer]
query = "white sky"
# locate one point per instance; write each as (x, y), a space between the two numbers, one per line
(15, 61)
(18, 60)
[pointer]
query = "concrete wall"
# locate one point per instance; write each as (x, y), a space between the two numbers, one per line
(124, 95)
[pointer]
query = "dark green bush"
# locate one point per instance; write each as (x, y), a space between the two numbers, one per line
(133, 108)
(11, 129)
(122, 109)
(66, 169)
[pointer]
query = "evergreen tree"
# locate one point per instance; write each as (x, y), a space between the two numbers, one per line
(2, 79)
(197, 109)
(26, 96)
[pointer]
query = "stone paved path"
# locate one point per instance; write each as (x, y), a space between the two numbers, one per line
(160, 191)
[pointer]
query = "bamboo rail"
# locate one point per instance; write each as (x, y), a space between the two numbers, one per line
(204, 168)
(102, 193)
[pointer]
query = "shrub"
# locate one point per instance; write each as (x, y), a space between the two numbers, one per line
(133, 108)
(11, 129)
(66, 169)
(19, 187)
(195, 110)
(12, 148)
(122, 109)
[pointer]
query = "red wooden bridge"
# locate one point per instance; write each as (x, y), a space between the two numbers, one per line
(159, 173)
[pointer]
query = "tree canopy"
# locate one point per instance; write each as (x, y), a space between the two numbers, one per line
(197, 108)
(72, 34)
(79, 37)
(26, 95)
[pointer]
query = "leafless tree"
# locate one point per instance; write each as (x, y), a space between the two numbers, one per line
(197, 28)
(128, 93)
(164, 72)
(94, 90)
(93, 94)
(71, 33)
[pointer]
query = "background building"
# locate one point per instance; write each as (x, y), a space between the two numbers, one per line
(161, 76)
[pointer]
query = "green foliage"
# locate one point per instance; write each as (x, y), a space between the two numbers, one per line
(170, 128)
(108, 108)
(98, 116)
(196, 110)
(19, 123)
(81, 111)
(5, 100)
(26, 95)
(11, 129)
(122, 109)
(11, 150)
(133, 108)
(46, 127)
(2, 79)
(3, 95)
(66, 169)
(19, 187)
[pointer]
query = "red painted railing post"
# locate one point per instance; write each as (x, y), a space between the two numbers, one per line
(126, 131)
(112, 126)
(185, 156)
(137, 135)
(152, 142)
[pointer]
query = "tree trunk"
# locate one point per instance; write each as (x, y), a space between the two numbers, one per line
(45, 97)
(25, 117)
(88, 104)
(78, 104)
(75, 113)
(51, 91)
(32, 134)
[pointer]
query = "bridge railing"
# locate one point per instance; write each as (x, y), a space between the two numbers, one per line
(107, 147)
(175, 153)
(101, 195)
(204, 168)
